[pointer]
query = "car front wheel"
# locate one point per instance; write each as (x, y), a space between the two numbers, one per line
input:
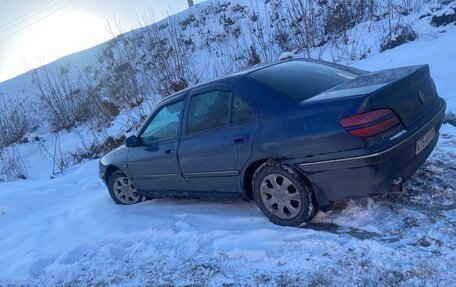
(122, 190)
(283, 195)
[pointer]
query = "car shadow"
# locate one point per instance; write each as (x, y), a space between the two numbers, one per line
(350, 231)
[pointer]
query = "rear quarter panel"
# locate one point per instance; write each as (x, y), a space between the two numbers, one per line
(301, 131)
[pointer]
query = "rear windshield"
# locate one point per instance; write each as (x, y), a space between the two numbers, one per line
(301, 79)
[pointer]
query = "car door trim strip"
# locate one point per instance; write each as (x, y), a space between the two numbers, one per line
(212, 173)
(151, 176)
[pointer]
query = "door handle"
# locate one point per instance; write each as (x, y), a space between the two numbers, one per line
(239, 139)
(169, 149)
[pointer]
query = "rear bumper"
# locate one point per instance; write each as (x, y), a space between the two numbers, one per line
(371, 174)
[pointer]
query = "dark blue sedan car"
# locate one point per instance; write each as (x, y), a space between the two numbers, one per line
(295, 136)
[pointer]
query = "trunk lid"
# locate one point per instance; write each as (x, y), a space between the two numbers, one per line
(408, 91)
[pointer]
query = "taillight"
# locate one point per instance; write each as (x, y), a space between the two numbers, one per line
(371, 123)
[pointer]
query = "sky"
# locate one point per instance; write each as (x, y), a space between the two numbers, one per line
(36, 32)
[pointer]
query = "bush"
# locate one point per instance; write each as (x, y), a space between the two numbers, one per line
(64, 101)
(119, 79)
(401, 34)
(168, 59)
(14, 120)
(338, 19)
(98, 149)
(12, 166)
(444, 17)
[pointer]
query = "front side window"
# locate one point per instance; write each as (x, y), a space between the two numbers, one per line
(209, 110)
(164, 125)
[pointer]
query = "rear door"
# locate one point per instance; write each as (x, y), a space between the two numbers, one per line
(153, 163)
(217, 139)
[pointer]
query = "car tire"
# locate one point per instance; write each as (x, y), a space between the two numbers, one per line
(283, 195)
(122, 190)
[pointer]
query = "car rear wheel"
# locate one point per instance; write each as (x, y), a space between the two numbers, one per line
(122, 190)
(283, 195)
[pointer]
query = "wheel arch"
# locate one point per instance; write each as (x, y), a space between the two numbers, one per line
(248, 177)
(110, 170)
(254, 166)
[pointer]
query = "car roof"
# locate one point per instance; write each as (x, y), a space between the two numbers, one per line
(254, 69)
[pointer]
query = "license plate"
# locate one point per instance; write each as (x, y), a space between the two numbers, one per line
(424, 141)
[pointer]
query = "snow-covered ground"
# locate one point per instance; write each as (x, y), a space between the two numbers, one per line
(67, 231)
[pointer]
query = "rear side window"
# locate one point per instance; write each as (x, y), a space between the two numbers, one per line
(209, 110)
(302, 80)
(217, 109)
(240, 110)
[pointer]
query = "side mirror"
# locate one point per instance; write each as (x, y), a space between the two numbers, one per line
(131, 141)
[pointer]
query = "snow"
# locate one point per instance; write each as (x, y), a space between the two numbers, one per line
(67, 231)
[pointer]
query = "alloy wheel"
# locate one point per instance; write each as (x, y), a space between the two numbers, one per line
(280, 196)
(124, 191)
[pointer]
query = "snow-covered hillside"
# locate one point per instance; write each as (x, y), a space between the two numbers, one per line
(66, 231)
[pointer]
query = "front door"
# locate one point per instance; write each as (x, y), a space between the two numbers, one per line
(153, 163)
